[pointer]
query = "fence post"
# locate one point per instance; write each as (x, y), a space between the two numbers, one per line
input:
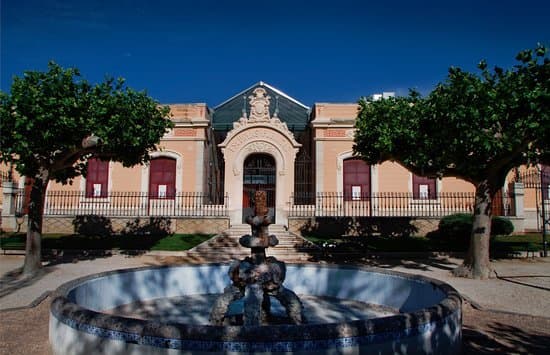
(9, 191)
(518, 192)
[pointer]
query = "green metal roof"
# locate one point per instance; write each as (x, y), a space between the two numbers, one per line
(291, 111)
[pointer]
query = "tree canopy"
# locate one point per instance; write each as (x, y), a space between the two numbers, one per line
(473, 126)
(48, 114)
(53, 121)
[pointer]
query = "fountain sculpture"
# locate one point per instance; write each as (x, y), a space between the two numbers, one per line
(425, 317)
(256, 278)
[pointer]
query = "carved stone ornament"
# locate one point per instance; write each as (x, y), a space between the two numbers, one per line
(259, 104)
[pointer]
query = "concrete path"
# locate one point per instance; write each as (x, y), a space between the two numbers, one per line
(522, 285)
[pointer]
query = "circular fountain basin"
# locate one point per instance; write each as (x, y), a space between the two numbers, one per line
(416, 315)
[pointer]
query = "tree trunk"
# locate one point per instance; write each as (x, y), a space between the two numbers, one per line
(33, 248)
(477, 264)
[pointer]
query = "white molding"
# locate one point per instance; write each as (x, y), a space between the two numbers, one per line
(199, 167)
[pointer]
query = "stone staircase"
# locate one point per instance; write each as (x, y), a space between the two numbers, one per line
(225, 247)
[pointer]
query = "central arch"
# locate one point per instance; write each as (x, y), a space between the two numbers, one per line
(255, 142)
(259, 173)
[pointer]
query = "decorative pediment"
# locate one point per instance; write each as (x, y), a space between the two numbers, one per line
(259, 118)
(259, 105)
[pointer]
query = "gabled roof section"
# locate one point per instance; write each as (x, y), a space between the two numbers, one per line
(291, 111)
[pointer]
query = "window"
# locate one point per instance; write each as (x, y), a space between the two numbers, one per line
(424, 188)
(162, 178)
(356, 179)
(98, 178)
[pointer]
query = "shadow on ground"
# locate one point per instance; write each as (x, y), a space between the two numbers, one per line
(487, 332)
(15, 280)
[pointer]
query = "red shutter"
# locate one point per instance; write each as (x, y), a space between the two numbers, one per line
(429, 182)
(356, 174)
(98, 174)
(162, 178)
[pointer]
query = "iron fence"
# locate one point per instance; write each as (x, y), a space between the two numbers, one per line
(130, 204)
(382, 204)
(5, 176)
(539, 182)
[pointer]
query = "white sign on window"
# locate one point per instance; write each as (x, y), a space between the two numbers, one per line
(356, 192)
(97, 190)
(162, 191)
(424, 191)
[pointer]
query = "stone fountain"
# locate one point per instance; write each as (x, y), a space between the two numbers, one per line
(190, 309)
(256, 278)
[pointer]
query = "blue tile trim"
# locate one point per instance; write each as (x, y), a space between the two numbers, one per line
(282, 346)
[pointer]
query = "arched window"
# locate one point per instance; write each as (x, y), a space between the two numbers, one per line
(97, 179)
(424, 188)
(356, 179)
(162, 178)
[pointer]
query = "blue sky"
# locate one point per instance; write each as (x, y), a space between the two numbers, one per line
(315, 51)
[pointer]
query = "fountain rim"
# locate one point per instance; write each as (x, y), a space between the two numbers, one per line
(73, 314)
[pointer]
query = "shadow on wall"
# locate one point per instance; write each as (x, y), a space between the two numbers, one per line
(100, 226)
(93, 225)
(359, 226)
(97, 232)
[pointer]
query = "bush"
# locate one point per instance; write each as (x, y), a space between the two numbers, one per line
(459, 227)
(501, 226)
(93, 225)
(456, 226)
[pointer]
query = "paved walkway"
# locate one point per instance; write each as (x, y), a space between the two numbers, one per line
(522, 285)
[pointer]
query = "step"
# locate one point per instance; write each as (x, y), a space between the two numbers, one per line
(225, 247)
(221, 257)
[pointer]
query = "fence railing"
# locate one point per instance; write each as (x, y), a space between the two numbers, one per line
(381, 204)
(5, 176)
(130, 204)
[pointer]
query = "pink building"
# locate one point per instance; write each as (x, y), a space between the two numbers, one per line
(208, 166)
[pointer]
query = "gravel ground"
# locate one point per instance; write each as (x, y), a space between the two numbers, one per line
(522, 286)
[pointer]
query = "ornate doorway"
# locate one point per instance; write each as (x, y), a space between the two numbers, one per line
(259, 173)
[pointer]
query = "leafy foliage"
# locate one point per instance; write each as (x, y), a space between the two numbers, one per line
(471, 126)
(474, 127)
(458, 227)
(52, 122)
(501, 226)
(48, 114)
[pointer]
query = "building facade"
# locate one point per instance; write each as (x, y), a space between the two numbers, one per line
(212, 161)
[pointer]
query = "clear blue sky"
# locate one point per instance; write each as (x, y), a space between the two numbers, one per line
(315, 51)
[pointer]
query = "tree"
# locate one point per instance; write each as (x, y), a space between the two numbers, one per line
(53, 121)
(474, 127)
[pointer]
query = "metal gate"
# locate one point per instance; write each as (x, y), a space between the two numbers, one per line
(259, 173)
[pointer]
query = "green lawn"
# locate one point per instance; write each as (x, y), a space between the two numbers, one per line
(173, 242)
(356, 245)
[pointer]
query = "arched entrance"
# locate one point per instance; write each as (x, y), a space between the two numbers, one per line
(259, 173)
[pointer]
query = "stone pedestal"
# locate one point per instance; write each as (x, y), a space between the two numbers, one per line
(256, 278)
